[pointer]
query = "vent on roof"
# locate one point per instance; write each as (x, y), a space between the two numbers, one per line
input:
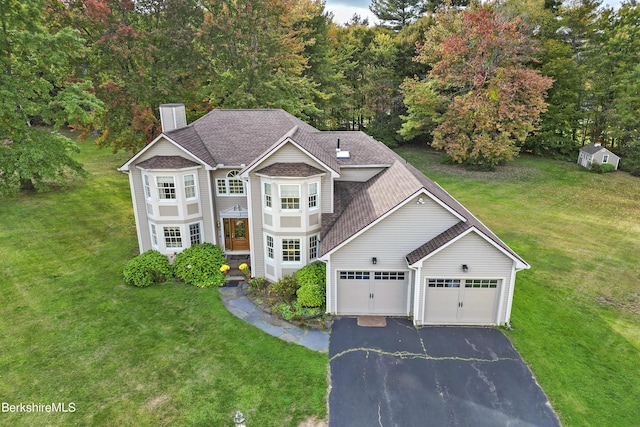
(172, 116)
(342, 154)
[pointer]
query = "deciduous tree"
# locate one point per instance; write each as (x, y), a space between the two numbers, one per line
(493, 101)
(38, 87)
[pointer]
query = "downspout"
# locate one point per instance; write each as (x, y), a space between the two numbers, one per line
(416, 292)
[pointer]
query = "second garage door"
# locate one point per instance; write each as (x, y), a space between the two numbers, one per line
(470, 301)
(373, 292)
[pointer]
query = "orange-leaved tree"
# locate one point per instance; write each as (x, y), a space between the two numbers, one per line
(480, 101)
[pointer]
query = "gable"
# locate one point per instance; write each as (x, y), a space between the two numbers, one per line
(396, 234)
(160, 147)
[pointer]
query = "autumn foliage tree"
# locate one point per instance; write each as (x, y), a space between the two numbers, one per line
(480, 101)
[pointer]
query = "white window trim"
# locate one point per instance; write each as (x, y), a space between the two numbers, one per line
(231, 175)
(264, 195)
(273, 248)
(317, 247)
(605, 158)
(301, 250)
(175, 189)
(199, 223)
(299, 208)
(164, 238)
(195, 186)
(153, 232)
(147, 187)
(317, 194)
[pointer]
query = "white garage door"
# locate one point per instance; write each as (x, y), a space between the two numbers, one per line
(373, 292)
(464, 301)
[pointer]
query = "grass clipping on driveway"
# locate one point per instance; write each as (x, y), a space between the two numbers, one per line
(576, 313)
(72, 332)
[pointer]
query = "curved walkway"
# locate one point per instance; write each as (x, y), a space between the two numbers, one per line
(234, 298)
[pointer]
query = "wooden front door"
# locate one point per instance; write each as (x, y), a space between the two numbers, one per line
(236, 234)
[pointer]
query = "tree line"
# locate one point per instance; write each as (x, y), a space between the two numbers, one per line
(483, 81)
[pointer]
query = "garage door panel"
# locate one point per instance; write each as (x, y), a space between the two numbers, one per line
(390, 297)
(354, 296)
(382, 293)
(442, 305)
(460, 301)
(479, 305)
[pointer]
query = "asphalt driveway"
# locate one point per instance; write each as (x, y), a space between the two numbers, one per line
(433, 376)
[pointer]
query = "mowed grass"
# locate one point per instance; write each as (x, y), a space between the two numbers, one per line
(71, 331)
(576, 313)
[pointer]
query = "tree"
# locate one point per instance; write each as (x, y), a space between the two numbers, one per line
(254, 53)
(493, 101)
(397, 14)
(39, 87)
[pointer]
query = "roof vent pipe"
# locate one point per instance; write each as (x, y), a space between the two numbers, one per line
(338, 146)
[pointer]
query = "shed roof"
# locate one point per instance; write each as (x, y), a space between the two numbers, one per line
(290, 169)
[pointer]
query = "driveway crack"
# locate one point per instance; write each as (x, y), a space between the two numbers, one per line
(409, 355)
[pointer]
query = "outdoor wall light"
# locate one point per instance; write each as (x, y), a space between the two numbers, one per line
(465, 268)
(374, 260)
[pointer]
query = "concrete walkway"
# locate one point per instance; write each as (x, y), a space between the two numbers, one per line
(235, 300)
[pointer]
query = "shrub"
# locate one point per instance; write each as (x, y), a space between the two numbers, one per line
(286, 288)
(312, 274)
(311, 295)
(218, 279)
(199, 264)
(147, 268)
(606, 168)
(257, 284)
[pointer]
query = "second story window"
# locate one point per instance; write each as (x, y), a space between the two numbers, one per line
(289, 197)
(190, 186)
(232, 185)
(267, 195)
(147, 187)
(313, 195)
(166, 187)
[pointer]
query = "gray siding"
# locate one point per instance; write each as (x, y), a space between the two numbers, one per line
(165, 148)
(289, 153)
(390, 241)
(394, 237)
(482, 258)
(140, 205)
(359, 174)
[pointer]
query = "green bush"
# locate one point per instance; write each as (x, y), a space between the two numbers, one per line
(147, 268)
(606, 168)
(311, 295)
(257, 284)
(286, 288)
(312, 274)
(199, 264)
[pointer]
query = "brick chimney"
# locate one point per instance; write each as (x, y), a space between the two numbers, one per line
(172, 117)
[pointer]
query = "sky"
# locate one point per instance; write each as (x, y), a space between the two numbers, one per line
(343, 10)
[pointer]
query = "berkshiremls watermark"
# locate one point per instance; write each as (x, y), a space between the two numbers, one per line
(53, 407)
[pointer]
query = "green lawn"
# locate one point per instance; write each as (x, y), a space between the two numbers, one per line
(71, 331)
(576, 314)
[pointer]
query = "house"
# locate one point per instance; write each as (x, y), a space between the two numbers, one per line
(267, 184)
(596, 153)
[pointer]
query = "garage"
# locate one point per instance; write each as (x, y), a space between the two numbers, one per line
(464, 301)
(373, 293)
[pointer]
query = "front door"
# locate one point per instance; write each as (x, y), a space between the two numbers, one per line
(236, 234)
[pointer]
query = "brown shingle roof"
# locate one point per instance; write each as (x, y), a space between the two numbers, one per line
(166, 162)
(438, 241)
(376, 197)
(290, 169)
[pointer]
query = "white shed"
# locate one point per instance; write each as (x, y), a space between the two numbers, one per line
(596, 153)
